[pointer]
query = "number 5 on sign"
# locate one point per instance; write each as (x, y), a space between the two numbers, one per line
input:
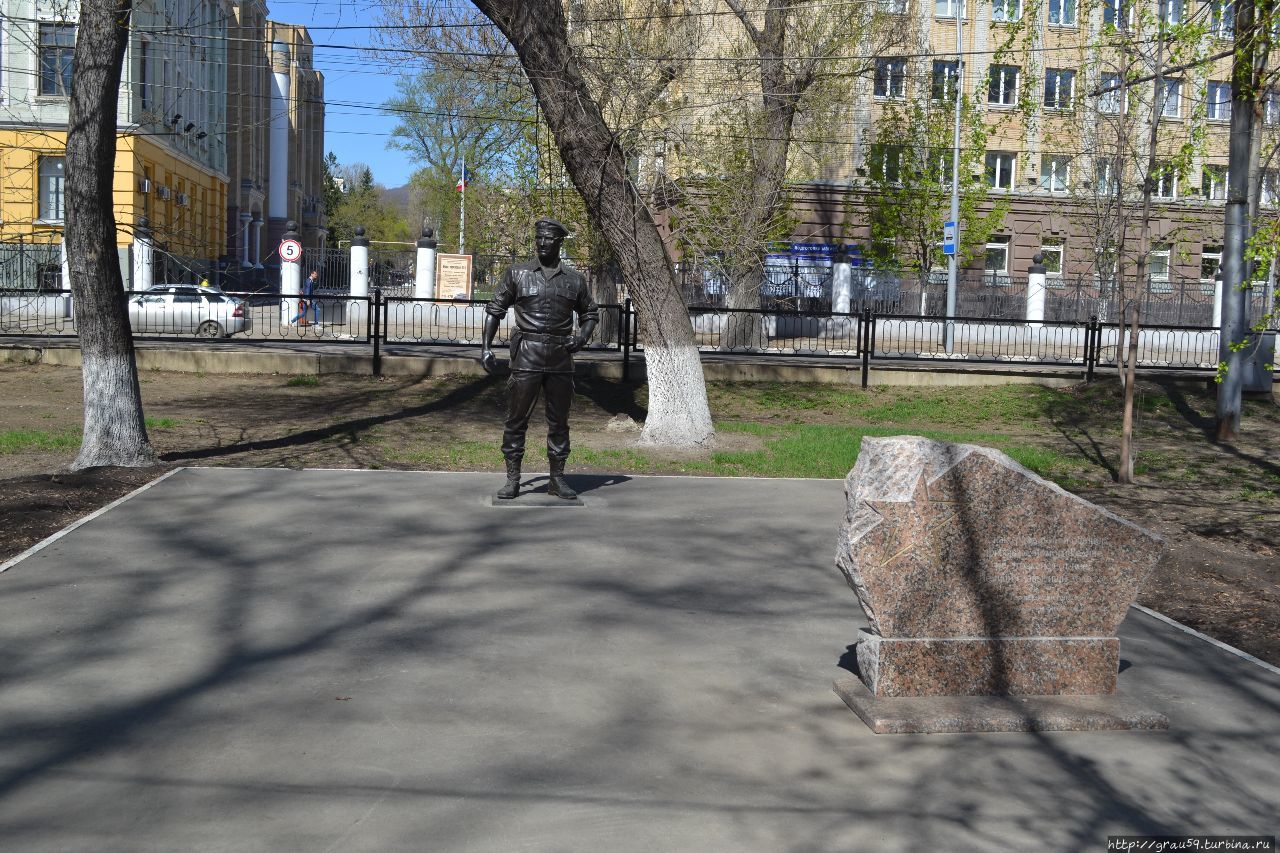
(290, 250)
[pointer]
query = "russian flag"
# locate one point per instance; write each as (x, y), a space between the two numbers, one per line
(464, 180)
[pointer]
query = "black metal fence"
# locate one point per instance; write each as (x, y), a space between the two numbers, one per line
(866, 336)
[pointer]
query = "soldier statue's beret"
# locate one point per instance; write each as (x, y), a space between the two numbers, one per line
(551, 226)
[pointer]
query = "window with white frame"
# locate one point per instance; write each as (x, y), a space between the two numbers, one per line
(57, 45)
(1213, 183)
(945, 74)
(1217, 105)
(1002, 86)
(891, 77)
(997, 262)
(1171, 11)
(144, 75)
(1006, 11)
(1222, 19)
(1062, 13)
(1052, 251)
(885, 162)
(893, 7)
(1270, 194)
(51, 183)
(1158, 268)
(1055, 173)
(946, 8)
(1271, 107)
(1116, 13)
(1210, 263)
(1000, 170)
(1059, 88)
(1106, 176)
(1112, 97)
(1171, 99)
(1164, 183)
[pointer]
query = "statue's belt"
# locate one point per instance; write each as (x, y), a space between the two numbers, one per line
(538, 336)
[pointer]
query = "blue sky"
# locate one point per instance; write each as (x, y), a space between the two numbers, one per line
(354, 134)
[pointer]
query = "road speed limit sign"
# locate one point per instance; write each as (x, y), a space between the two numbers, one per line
(290, 250)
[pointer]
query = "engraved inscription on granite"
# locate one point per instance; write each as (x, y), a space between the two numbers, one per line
(981, 578)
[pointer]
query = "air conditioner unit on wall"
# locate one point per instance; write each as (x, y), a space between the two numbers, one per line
(163, 192)
(144, 186)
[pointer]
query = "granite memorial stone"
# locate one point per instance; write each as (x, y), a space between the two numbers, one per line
(980, 578)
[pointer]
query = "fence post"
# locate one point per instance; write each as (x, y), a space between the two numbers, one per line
(626, 339)
(143, 256)
(359, 262)
(291, 282)
(1035, 291)
(1217, 299)
(375, 321)
(866, 340)
(841, 285)
(1092, 346)
(424, 280)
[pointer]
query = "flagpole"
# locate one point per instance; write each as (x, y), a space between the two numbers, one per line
(462, 217)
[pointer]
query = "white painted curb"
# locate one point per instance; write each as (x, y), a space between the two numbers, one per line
(4, 567)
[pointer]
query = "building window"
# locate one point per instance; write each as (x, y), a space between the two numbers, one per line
(144, 74)
(1164, 183)
(1218, 101)
(1158, 268)
(894, 7)
(1112, 97)
(1052, 251)
(1059, 88)
(1000, 170)
(1171, 11)
(1002, 88)
(1213, 183)
(1171, 99)
(891, 78)
(997, 265)
(1055, 173)
(1210, 263)
(1271, 107)
(1106, 176)
(1006, 11)
(57, 44)
(946, 8)
(51, 172)
(886, 163)
(1270, 187)
(1116, 13)
(945, 72)
(1062, 13)
(1222, 19)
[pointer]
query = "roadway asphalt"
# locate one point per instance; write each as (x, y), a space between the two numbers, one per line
(276, 660)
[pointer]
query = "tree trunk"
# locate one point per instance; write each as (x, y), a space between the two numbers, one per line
(593, 156)
(114, 431)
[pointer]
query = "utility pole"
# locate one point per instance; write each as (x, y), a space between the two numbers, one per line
(953, 260)
(1236, 227)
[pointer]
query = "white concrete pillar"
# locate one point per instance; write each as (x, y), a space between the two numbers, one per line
(290, 280)
(143, 256)
(257, 242)
(1036, 291)
(278, 174)
(424, 280)
(359, 264)
(66, 268)
(841, 285)
(1217, 300)
(245, 219)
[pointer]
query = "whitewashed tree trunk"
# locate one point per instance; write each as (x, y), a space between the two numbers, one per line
(675, 378)
(114, 430)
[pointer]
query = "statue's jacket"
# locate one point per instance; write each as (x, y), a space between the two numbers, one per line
(545, 308)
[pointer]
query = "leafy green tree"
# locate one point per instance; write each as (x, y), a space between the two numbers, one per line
(363, 204)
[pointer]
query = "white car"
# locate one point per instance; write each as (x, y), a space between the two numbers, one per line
(185, 309)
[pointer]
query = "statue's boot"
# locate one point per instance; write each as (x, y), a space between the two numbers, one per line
(558, 486)
(512, 486)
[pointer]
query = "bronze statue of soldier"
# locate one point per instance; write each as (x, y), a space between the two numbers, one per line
(546, 296)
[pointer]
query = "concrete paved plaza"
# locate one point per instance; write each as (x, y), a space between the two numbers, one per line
(275, 660)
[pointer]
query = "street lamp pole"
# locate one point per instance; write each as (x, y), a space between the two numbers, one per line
(953, 258)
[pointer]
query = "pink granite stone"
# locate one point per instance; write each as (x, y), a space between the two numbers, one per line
(956, 542)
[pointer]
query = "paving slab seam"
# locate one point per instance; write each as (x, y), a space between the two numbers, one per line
(47, 541)
(1210, 640)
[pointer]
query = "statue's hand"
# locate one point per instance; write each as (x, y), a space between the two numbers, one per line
(576, 343)
(489, 361)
